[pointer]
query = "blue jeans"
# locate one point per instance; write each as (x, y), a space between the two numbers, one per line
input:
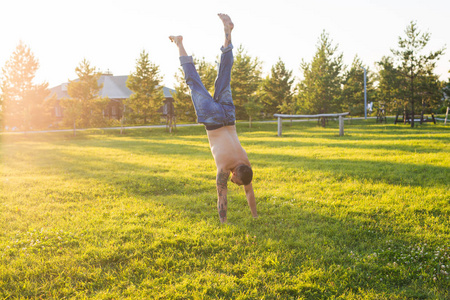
(213, 112)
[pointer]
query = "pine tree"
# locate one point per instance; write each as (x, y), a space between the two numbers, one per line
(147, 97)
(413, 64)
(446, 103)
(320, 89)
(446, 90)
(353, 88)
(391, 86)
(245, 81)
(1, 111)
(253, 108)
(85, 106)
(429, 92)
(72, 111)
(207, 72)
(23, 101)
(184, 108)
(277, 94)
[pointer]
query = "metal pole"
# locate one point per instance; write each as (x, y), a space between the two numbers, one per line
(365, 93)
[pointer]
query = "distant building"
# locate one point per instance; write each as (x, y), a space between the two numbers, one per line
(115, 88)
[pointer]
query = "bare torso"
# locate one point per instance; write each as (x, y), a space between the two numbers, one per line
(226, 148)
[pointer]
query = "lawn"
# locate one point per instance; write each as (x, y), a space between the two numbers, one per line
(109, 216)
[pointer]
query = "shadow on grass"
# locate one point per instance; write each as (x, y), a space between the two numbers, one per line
(369, 132)
(372, 171)
(318, 240)
(312, 236)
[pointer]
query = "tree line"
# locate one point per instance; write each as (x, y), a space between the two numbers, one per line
(402, 81)
(25, 105)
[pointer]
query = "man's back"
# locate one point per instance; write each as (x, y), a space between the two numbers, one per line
(226, 148)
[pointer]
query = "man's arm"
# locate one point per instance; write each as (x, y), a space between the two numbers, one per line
(222, 204)
(251, 199)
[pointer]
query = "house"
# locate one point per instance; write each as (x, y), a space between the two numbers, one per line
(115, 88)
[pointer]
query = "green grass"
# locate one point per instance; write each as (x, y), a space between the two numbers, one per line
(105, 216)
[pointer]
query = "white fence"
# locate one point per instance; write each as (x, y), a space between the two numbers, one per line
(341, 119)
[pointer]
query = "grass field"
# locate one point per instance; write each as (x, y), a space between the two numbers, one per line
(109, 216)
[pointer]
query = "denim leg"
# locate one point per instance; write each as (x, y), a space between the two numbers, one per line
(208, 111)
(222, 93)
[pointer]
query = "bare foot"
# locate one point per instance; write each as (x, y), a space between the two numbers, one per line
(227, 24)
(177, 39)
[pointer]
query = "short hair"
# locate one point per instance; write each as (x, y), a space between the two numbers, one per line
(245, 173)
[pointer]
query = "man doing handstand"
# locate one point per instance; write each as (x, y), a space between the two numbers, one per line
(218, 115)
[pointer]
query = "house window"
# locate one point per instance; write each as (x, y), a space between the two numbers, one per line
(114, 111)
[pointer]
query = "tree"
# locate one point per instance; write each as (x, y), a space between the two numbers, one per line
(253, 108)
(1, 110)
(245, 81)
(207, 72)
(85, 106)
(38, 107)
(446, 103)
(22, 101)
(277, 94)
(413, 64)
(320, 89)
(429, 92)
(147, 95)
(244, 84)
(72, 112)
(391, 85)
(184, 108)
(353, 88)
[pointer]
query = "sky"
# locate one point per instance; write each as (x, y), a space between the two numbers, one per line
(111, 34)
